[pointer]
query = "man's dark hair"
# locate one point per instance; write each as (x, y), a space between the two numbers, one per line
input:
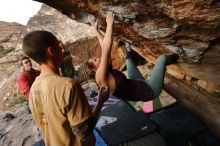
(35, 43)
(24, 58)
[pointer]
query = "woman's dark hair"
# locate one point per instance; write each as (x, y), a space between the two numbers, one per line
(85, 72)
(89, 69)
(35, 43)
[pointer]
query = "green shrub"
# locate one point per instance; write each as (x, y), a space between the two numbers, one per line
(215, 94)
(3, 51)
(16, 101)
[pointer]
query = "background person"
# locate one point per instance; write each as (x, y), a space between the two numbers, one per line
(26, 77)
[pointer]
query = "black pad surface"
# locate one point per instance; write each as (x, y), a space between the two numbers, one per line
(134, 126)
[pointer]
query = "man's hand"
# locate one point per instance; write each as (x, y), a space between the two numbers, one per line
(103, 94)
(110, 17)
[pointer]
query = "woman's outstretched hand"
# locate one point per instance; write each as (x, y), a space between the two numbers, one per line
(95, 25)
(94, 22)
(110, 17)
(103, 94)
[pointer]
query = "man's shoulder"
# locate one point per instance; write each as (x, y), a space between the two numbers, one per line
(65, 80)
(64, 84)
(36, 71)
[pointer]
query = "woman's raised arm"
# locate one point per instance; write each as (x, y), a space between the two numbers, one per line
(102, 72)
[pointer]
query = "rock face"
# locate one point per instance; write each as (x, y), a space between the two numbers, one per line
(79, 38)
(9, 89)
(17, 128)
(9, 40)
(84, 49)
(64, 29)
(9, 64)
(190, 28)
(9, 34)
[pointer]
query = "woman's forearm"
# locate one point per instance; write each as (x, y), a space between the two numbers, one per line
(107, 41)
(106, 50)
(100, 37)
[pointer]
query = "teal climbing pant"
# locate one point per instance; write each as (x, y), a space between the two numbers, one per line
(156, 80)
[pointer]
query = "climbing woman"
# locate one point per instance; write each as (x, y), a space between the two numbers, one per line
(135, 88)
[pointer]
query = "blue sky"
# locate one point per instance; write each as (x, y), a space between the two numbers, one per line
(18, 10)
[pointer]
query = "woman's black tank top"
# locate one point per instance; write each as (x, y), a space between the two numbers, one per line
(129, 89)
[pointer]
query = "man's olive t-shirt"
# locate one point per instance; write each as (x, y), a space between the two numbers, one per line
(58, 106)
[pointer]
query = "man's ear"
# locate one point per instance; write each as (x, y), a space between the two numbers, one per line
(94, 69)
(50, 51)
